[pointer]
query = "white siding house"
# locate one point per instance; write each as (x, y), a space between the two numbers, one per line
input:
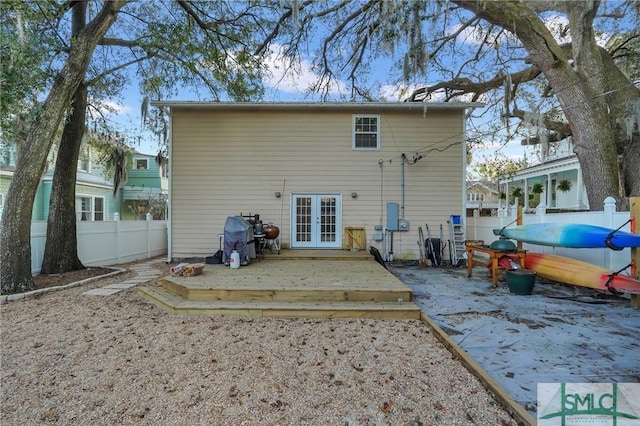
(560, 175)
(313, 169)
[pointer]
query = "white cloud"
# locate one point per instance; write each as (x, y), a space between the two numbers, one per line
(110, 108)
(294, 78)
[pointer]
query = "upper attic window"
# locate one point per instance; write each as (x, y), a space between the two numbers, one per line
(141, 163)
(366, 132)
(84, 161)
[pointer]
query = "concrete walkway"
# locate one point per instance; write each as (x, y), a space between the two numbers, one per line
(144, 272)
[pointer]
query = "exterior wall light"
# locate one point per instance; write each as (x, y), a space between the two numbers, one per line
(278, 194)
(354, 195)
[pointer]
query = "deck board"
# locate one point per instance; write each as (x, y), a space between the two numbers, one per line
(352, 286)
(174, 304)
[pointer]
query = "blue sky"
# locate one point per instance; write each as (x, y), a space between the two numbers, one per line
(279, 87)
(285, 87)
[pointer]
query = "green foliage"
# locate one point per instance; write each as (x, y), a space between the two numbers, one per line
(204, 47)
(498, 166)
(517, 193)
(537, 188)
(564, 185)
(27, 47)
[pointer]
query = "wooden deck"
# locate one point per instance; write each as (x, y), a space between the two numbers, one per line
(296, 283)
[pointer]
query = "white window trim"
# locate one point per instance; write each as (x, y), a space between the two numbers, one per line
(92, 207)
(353, 132)
(135, 163)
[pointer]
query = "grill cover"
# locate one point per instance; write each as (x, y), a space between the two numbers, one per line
(238, 232)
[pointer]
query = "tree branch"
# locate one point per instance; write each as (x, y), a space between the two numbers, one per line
(463, 86)
(110, 41)
(561, 128)
(119, 67)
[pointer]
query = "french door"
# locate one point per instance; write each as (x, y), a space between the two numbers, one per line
(316, 220)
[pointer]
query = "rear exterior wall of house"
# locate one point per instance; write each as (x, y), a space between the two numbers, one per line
(228, 162)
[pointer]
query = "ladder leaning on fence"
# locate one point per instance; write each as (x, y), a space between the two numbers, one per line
(456, 243)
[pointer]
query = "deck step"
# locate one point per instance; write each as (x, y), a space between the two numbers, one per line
(174, 303)
(286, 293)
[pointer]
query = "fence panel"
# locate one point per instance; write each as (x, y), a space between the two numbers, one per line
(104, 243)
(481, 228)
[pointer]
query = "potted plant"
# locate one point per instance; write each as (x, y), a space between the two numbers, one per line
(517, 193)
(564, 185)
(537, 189)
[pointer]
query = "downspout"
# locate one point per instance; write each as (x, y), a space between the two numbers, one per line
(401, 190)
(169, 199)
(463, 207)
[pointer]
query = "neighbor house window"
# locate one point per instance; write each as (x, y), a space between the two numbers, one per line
(141, 163)
(90, 208)
(84, 163)
(473, 196)
(366, 132)
(98, 208)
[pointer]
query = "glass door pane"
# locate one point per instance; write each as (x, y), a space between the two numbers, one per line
(327, 219)
(303, 221)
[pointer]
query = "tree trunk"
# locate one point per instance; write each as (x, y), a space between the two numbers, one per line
(15, 231)
(61, 246)
(594, 94)
(61, 249)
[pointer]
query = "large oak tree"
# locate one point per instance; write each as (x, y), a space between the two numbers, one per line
(186, 43)
(166, 45)
(563, 66)
(15, 231)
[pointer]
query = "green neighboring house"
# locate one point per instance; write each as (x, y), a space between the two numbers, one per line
(146, 188)
(95, 200)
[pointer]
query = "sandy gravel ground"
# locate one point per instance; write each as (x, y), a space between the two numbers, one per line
(68, 358)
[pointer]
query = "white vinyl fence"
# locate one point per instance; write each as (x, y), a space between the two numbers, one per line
(481, 228)
(104, 243)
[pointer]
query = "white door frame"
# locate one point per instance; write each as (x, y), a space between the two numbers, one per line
(315, 233)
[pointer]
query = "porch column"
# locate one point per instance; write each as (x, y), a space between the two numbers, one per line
(506, 200)
(579, 189)
(548, 191)
(526, 195)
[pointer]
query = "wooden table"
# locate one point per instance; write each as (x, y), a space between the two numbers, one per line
(494, 255)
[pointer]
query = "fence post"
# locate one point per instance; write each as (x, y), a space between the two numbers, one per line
(476, 213)
(149, 219)
(519, 222)
(634, 212)
(541, 212)
(607, 220)
(116, 220)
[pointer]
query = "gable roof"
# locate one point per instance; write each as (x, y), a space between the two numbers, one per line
(488, 186)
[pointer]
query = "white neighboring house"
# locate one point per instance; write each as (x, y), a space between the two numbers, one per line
(482, 196)
(559, 174)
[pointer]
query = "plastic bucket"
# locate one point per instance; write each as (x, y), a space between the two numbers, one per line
(234, 261)
(521, 281)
